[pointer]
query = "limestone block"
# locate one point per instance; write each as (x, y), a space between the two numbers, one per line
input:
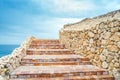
(112, 48)
(109, 42)
(102, 57)
(105, 26)
(97, 57)
(111, 25)
(9, 65)
(117, 65)
(111, 65)
(90, 34)
(101, 25)
(88, 48)
(104, 42)
(91, 41)
(113, 61)
(114, 29)
(95, 31)
(116, 23)
(14, 66)
(115, 37)
(105, 65)
(81, 41)
(116, 74)
(85, 43)
(100, 50)
(96, 36)
(98, 43)
(100, 31)
(75, 45)
(107, 35)
(82, 35)
(90, 56)
(92, 49)
(109, 58)
(118, 44)
(105, 52)
(116, 56)
(99, 63)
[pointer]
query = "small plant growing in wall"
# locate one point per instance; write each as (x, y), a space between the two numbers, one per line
(5, 72)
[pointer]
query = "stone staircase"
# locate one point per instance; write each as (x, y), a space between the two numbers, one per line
(50, 60)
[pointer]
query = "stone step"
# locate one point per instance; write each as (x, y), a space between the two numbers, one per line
(54, 60)
(45, 41)
(92, 77)
(49, 51)
(47, 46)
(54, 63)
(56, 71)
(49, 60)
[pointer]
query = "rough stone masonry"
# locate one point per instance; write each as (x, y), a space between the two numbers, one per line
(97, 38)
(12, 61)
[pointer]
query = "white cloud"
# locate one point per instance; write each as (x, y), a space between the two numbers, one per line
(46, 24)
(49, 28)
(66, 5)
(71, 5)
(53, 23)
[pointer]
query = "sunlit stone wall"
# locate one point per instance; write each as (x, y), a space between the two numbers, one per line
(100, 43)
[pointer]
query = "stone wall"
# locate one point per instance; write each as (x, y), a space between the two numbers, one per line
(12, 60)
(100, 43)
(87, 23)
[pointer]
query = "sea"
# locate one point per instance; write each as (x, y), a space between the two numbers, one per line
(6, 49)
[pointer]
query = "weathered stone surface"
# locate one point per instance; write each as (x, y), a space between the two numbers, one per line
(82, 35)
(13, 60)
(91, 41)
(90, 34)
(111, 25)
(103, 40)
(113, 48)
(81, 41)
(117, 65)
(75, 45)
(101, 25)
(109, 58)
(111, 65)
(90, 56)
(92, 49)
(105, 52)
(109, 42)
(105, 65)
(85, 43)
(118, 44)
(98, 43)
(114, 30)
(115, 37)
(97, 57)
(102, 57)
(88, 48)
(116, 74)
(107, 35)
(99, 63)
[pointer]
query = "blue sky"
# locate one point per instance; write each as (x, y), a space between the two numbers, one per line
(44, 18)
